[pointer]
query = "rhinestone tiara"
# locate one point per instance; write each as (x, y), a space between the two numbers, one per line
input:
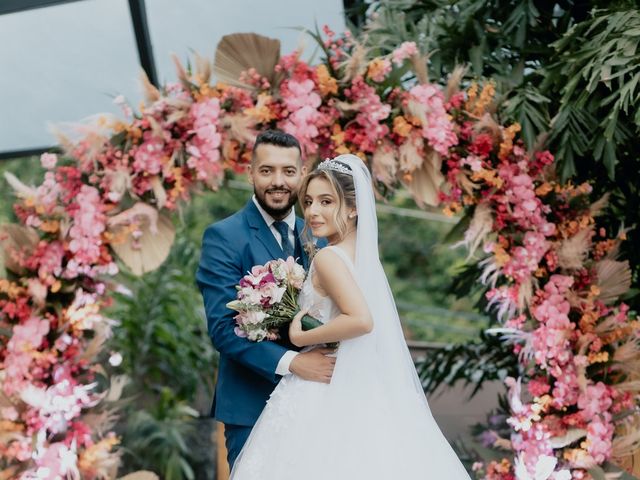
(329, 164)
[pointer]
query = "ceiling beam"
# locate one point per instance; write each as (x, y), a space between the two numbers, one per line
(143, 39)
(14, 6)
(30, 152)
(143, 42)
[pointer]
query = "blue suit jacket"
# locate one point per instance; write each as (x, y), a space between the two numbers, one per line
(246, 371)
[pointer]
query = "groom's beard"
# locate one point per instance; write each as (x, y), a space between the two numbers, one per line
(278, 212)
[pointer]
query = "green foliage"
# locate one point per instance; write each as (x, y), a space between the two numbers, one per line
(168, 355)
(28, 171)
(161, 333)
(158, 440)
(564, 68)
(472, 362)
(420, 265)
(597, 70)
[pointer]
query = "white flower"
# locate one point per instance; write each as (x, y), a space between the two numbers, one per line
(279, 271)
(274, 292)
(254, 317)
(544, 469)
(250, 296)
(115, 359)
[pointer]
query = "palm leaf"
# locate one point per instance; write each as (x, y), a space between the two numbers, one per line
(238, 52)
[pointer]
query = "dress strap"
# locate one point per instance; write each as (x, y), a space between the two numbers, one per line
(344, 256)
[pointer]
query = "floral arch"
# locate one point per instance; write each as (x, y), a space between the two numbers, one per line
(552, 274)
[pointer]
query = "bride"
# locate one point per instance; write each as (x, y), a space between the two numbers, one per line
(372, 421)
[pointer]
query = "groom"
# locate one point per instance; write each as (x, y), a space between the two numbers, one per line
(265, 229)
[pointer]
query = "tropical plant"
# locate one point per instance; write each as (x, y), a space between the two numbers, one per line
(158, 439)
(472, 363)
(161, 334)
(168, 356)
(567, 69)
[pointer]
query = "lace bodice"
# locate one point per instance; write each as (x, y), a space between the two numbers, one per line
(320, 307)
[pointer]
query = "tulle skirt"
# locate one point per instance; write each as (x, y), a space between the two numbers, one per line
(351, 429)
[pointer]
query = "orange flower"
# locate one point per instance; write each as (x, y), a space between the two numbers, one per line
(544, 189)
(494, 468)
(56, 286)
(206, 91)
(401, 127)
(600, 357)
(577, 455)
(178, 187)
(262, 113)
(472, 93)
(378, 69)
(489, 176)
(452, 209)
(501, 255)
(92, 457)
(11, 289)
(338, 140)
(326, 83)
(508, 135)
(50, 226)
(486, 97)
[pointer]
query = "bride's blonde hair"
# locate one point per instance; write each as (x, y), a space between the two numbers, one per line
(344, 188)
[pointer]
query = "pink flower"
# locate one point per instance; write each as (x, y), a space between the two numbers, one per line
(429, 107)
(9, 413)
(89, 222)
(122, 103)
(48, 160)
(302, 102)
(379, 69)
(526, 259)
(54, 462)
(368, 128)
(28, 335)
(594, 400)
(48, 193)
(55, 406)
(599, 437)
(404, 51)
(148, 156)
(538, 386)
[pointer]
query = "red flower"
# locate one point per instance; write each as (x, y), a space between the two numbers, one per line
(482, 145)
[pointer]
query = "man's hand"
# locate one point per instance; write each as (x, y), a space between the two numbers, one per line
(315, 365)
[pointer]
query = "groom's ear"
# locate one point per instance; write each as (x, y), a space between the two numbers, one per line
(304, 170)
(250, 174)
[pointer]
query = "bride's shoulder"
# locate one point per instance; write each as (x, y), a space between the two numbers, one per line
(325, 256)
(329, 261)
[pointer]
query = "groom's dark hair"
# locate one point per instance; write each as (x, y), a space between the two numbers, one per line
(277, 138)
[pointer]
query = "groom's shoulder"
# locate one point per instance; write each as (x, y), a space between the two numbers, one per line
(229, 225)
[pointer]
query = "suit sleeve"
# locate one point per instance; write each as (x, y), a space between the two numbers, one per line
(219, 271)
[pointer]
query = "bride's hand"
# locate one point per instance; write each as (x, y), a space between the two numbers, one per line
(296, 334)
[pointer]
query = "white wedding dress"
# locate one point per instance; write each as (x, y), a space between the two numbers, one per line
(372, 422)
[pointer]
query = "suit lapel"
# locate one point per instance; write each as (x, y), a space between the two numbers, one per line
(304, 258)
(262, 231)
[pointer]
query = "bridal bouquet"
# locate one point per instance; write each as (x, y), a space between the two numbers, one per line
(267, 299)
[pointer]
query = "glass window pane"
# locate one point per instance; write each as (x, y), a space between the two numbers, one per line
(63, 63)
(188, 25)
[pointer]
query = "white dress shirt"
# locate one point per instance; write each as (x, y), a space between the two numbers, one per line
(290, 220)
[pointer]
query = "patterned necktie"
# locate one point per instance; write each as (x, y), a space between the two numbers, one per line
(283, 230)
